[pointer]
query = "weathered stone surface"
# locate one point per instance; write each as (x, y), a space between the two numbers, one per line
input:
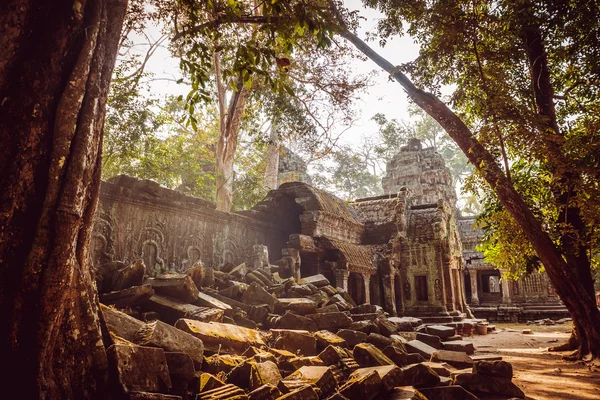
(386, 327)
(265, 392)
(129, 297)
(235, 290)
(328, 309)
(321, 377)
(179, 286)
(181, 370)
(221, 363)
(151, 396)
(298, 306)
(364, 326)
(441, 331)
(331, 321)
(292, 321)
(295, 363)
(416, 346)
(418, 375)
(442, 369)
(485, 384)
(406, 393)
(317, 280)
(340, 301)
(407, 336)
(379, 341)
(500, 369)
(364, 309)
(405, 324)
(132, 275)
(256, 295)
(362, 387)
(206, 300)
(304, 393)
(457, 359)
(221, 337)
(367, 355)
(432, 340)
(208, 382)
(228, 391)
(295, 341)
(352, 337)
(390, 375)
(264, 373)
(171, 310)
(326, 338)
(459, 345)
(156, 333)
(447, 393)
(399, 357)
(202, 275)
(238, 272)
(138, 368)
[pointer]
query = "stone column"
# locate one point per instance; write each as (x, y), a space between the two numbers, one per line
(367, 282)
(474, 295)
(505, 289)
(341, 278)
(389, 295)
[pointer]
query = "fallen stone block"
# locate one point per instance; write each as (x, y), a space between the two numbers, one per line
(151, 396)
(317, 280)
(221, 363)
(264, 373)
(171, 310)
(228, 391)
(364, 317)
(432, 340)
(416, 346)
(367, 355)
(235, 291)
(202, 275)
(137, 368)
(352, 337)
(340, 301)
(326, 338)
(206, 300)
(457, 359)
(386, 328)
(208, 382)
(304, 393)
(295, 363)
(292, 321)
(331, 321)
(442, 369)
(364, 326)
(129, 297)
(265, 392)
(441, 331)
(405, 324)
(500, 369)
(238, 272)
(320, 377)
(484, 384)
(181, 371)
(379, 341)
(156, 333)
(459, 345)
(405, 393)
(390, 375)
(418, 375)
(179, 286)
(298, 306)
(256, 295)
(295, 341)
(221, 337)
(362, 387)
(132, 275)
(328, 309)
(407, 336)
(397, 355)
(447, 393)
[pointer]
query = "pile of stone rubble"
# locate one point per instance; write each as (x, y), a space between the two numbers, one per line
(247, 334)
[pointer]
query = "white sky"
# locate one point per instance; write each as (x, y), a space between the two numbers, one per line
(383, 97)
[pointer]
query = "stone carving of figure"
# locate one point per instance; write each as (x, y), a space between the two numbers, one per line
(437, 287)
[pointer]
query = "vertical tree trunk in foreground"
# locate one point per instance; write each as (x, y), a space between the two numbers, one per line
(56, 63)
(562, 269)
(272, 167)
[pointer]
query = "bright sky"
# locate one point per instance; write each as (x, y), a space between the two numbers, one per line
(384, 96)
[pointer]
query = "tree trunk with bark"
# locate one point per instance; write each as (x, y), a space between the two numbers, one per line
(561, 269)
(272, 167)
(55, 68)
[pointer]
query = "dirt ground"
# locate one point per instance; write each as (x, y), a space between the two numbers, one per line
(540, 374)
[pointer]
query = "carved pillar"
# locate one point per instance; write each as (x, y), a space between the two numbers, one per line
(367, 282)
(389, 294)
(341, 278)
(504, 285)
(474, 295)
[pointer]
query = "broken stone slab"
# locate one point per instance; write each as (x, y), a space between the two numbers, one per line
(219, 364)
(364, 309)
(292, 321)
(391, 375)
(295, 341)
(238, 272)
(326, 338)
(132, 275)
(405, 393)
(352, 337)
(433, 341)
(321, 377)
(364, 326)
(367, 355)
(151, 396)
(332, 355)
(206, 300)
(235, 291)
(156, 333)
(257, 295)
(441, 331)
(500, 369)
(329, 290)
(399, 357)
(295, 363)
(408, 336)
(386, 327)
(138, 368)
(484, 384)
(265, 392)
(459, 345)
(457, 359)
(181, 371)
(317, 280)
(364, 317)
(263, 373)
(405, 321)
(228, 391)
(362, 387)
(379, 341)
(442, 369)
(341, 302)
(306, 392)
(179, 286)
(328, 309)
(451, 392)
(299, 306)
(129, 297)
(416, 346)
(202, 275)
(418, 375)
(331, 321)
(171, 310)
(208, 382)
(221, 337)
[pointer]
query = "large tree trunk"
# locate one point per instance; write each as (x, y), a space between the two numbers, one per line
(563, 274)
(272, 164)
(55, 67)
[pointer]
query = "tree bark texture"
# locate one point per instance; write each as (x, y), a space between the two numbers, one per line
(272, 164)
(563, 275)
(55, 67)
